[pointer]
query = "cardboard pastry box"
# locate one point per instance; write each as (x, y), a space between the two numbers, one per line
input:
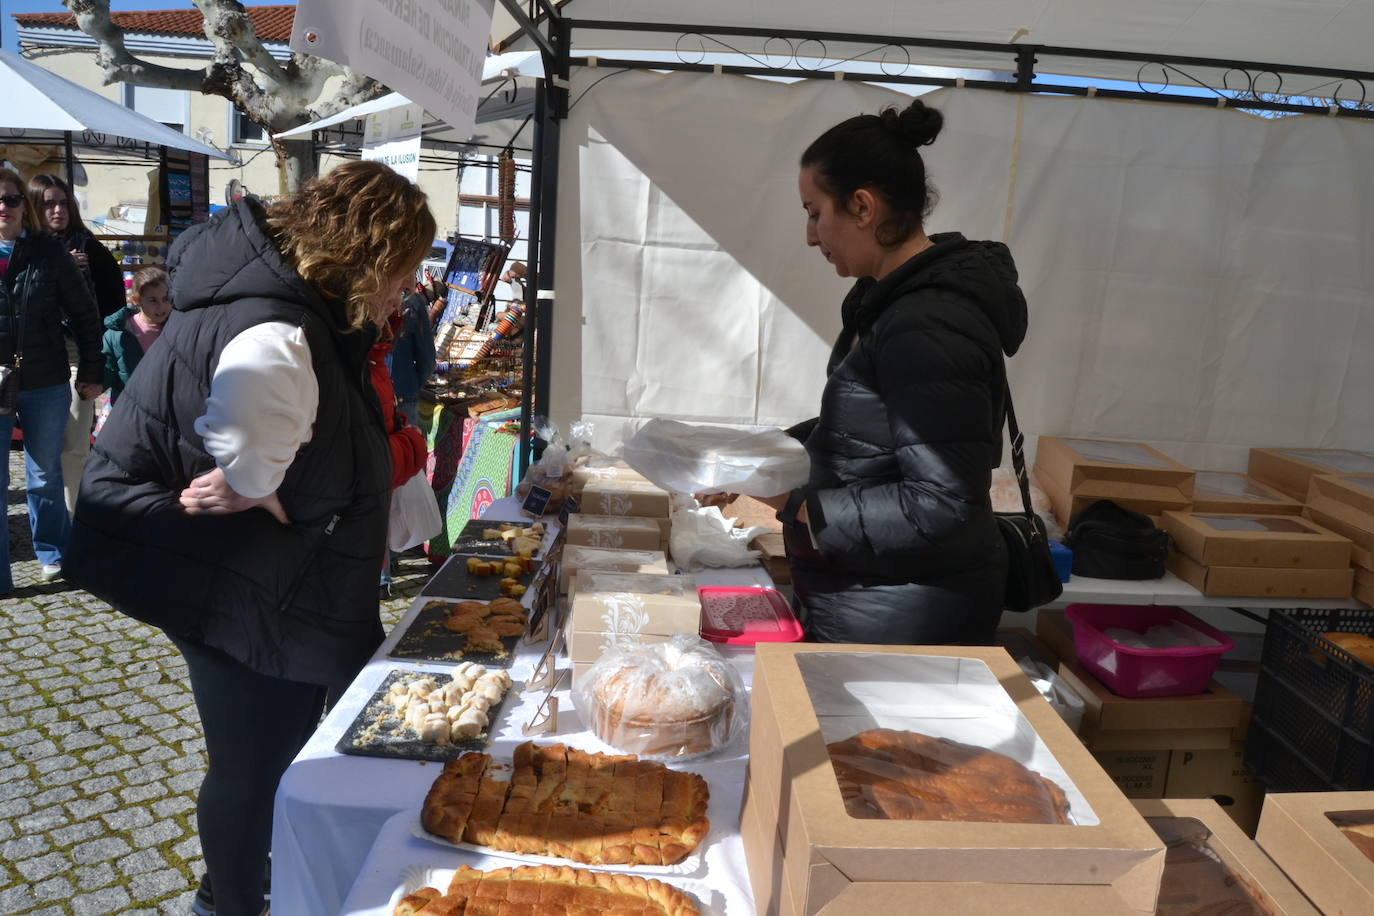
(806, 696)
(601, 468)
(1077, 472)
(1291, 469)
(1261, 582)
(578, 556)
(1297, 832)
(1344, 503)
(1239, 868)
(1269, 541)
(1232, 491)
(638, 498)
(1114, 723)
(607, 606)
(614, 532)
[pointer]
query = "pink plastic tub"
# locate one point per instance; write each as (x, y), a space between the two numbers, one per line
(744, 615)
(1135, 672)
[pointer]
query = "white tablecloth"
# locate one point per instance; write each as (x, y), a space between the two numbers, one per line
(331, 808)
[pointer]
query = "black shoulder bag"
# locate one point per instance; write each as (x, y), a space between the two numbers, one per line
(9, 375)
(1032, 580)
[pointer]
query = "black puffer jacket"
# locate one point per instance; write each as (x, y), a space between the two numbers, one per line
(902, 546)
(297, 601)
(44, 285)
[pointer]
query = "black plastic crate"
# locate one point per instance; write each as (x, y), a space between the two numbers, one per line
(1314, 705)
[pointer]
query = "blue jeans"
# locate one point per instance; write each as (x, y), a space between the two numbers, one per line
(43, 413)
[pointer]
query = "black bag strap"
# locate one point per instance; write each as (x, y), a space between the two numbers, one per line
(17, 316)
(1018, 461)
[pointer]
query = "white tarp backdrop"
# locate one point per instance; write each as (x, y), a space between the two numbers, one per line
(1198, 279)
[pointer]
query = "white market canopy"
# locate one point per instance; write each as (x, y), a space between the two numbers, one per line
(44, 105)
(1327, 34)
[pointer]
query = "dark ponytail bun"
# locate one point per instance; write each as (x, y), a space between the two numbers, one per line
(881, 153)
(919, 123)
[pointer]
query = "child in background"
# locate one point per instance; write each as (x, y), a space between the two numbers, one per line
(130, 331)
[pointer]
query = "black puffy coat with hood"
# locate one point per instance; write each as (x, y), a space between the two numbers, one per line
(901, 545)
(297, 601)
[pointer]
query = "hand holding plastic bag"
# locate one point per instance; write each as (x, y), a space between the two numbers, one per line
(683, 458)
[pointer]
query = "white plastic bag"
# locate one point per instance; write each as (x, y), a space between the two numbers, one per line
(414, 514)
(553, 470)
(704, 537)
(680, 457)
(1056, 691)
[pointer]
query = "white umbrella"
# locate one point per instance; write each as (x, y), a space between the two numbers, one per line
(41, 102)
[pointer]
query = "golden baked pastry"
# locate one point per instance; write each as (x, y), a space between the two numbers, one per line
(901, 775)
(597, 809)
(1196, 882)
(477, 608)
(675, 712)
(463, 623)
(546, 890)
(483, 639)
(507, 606)
(1356, 644)
(503, 625)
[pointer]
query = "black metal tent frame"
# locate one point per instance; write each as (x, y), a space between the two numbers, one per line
(1246, 85)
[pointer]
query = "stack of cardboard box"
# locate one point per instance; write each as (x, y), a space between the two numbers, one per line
(577, 556)
(1291, 469)
(750, 513)
(1297, 831)
(1344, 503)
(1075, 473)
(1272, 556)
(610, 607)
(807, 854)
(1180, 747)
(629, 495)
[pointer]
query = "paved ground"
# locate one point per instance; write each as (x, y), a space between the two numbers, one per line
(100, 748)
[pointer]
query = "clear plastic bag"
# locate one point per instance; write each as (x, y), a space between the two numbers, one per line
(665, 700)
(683, 458)
(553, 471)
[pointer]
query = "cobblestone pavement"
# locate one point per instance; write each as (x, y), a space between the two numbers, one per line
(100, 747)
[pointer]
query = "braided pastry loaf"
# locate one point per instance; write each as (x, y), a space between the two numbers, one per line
(546, 890)
(597, 809)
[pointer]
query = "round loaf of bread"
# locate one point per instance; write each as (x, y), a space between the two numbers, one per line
(664, 700)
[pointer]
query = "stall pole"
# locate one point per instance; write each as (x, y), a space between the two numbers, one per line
(71, 164)
(532, 281)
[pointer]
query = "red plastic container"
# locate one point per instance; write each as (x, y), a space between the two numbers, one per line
(1134, 672)
(743, 615)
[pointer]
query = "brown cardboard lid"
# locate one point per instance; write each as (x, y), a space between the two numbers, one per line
(582, 554)
(1218, 708)
(1132, 454)
(1309, 811)
(590, 581)
(1227, 524)
(1331, 460)
(636, 485)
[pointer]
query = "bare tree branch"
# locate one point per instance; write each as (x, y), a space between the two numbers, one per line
(93, 18)
(231, 32)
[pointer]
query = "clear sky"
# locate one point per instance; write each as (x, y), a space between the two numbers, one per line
(9, 7)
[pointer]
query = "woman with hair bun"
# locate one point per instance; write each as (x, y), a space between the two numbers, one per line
(238, 494)
(893, 539)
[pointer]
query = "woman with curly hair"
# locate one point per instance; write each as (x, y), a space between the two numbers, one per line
(237, 496)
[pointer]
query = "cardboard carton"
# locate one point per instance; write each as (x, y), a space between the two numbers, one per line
(1113, 723)
(806, 695)
(609, 606)
(1232, 491)
(1270, 541)
(1248, 865)
(774, 557)
(1361, 541)
(1138, 774)
(577, 556)
(1222, 776)
(1364, 586)
(1344, 503)
(1259, 582)
(625, 496)
(1316, 856)
(614, 532)
(1291, 469)
(1075, 473)
(750, 513)
(601, 468)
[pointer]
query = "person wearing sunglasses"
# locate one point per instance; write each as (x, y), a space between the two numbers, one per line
(58, 214)
(41, 293)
